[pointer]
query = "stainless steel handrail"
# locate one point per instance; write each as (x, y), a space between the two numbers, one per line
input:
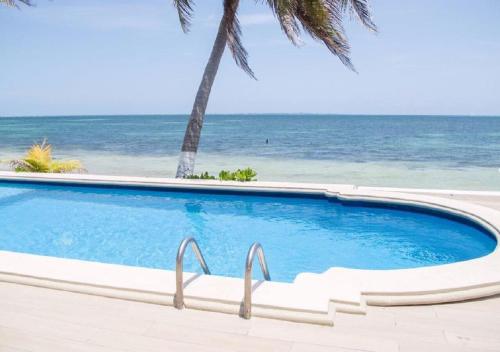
(247, 301)
(179, 282)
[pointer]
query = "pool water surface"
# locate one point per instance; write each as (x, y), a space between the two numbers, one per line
(143, 227)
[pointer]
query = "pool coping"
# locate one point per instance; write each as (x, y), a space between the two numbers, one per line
(313, 298)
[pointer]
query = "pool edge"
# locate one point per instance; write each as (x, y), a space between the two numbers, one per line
(337, 289)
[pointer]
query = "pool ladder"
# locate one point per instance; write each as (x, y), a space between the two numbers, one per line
(255, 249)
(179, 264)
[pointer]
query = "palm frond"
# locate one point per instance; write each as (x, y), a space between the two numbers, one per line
(284, 10)
(322, 20)
(185, 11)
(234, 43)
(21, 166)
(66, 166)
(14, 3)
(37, 165)
(40, 152)
(362, 10)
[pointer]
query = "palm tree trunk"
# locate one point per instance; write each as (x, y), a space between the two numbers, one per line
(193, 130)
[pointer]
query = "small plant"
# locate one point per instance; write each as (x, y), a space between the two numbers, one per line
(225, 175)
(39, 159)
(244, 175)
(202, 176)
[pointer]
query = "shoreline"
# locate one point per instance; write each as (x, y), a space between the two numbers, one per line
(393, 174)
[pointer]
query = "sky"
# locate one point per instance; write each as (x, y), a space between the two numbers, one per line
(91, 57)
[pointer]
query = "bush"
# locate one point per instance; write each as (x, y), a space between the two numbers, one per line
(244, 175)
(202, 176)
(39, 159)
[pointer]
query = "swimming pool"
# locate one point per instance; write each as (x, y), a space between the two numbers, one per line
(300, 233)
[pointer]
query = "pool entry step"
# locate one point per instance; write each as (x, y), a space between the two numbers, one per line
(255, 249)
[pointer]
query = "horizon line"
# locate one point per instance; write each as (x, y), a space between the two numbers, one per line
(250, 114)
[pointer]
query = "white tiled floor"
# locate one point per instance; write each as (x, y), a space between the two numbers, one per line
(37, 319)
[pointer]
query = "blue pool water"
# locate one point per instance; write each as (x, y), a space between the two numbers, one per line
(143, 227)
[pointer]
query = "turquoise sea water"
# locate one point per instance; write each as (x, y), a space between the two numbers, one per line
(299, 234)
(418, 151)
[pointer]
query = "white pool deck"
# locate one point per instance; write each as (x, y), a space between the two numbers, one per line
(43, 320)
(39, 319)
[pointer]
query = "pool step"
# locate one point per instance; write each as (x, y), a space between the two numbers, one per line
(277, 300)
(271, 299)
(260, 298)
(346, 297)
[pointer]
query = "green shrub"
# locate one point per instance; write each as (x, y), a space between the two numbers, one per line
(202, 176)
(244, 175)
(39, 159)
(225, 175)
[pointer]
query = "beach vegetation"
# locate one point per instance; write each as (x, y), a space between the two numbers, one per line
(39, 159)
(322, 20)
(241, 175)
(202, 176)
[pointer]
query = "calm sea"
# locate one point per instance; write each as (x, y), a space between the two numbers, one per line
(333, 148)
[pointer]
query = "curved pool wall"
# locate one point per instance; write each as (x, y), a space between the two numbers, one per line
(311, 298)
(299, 232)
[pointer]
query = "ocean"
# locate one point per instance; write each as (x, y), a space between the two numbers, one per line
(451, 152)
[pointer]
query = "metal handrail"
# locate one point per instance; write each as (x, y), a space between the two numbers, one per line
(179, 282)
(247, 301)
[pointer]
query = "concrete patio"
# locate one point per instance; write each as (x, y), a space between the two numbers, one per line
(37, 319)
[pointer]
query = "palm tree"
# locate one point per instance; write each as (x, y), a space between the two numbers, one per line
(321, 19)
